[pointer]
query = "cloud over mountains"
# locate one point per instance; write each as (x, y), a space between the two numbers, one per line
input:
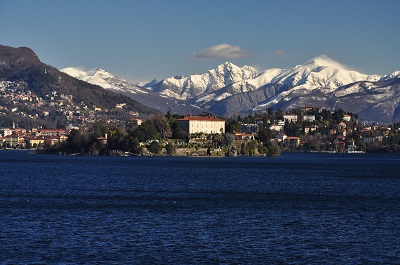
(224, 50)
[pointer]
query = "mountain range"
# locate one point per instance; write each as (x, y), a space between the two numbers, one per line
(22, 64)
(229, 89)
(35, 94)
(138, 93)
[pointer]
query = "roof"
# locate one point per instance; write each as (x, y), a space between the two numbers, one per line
(51, 130)
(243, 134)
(200, 118)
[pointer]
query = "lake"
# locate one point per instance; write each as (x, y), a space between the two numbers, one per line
(299, 208)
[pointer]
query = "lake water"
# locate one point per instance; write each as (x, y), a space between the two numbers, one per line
(300, 208)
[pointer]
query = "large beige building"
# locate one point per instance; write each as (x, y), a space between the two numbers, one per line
(202, 124)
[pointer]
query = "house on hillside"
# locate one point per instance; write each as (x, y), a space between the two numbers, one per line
(347, 117)
(310, 129)
(5, 132)
(277, 127)
(202, 124)
(310, 118)
(290, 117)
(292, 142)
(243, 136)
(50, 132)
(136, 121)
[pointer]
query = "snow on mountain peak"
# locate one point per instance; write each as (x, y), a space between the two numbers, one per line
(324, 60)
(100, 73)
(226, 67)
(392, 75)
(74, 71)
(101, 78)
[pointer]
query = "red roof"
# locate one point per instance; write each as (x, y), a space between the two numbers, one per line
(292, 138)
(242, 134)
(200, 118)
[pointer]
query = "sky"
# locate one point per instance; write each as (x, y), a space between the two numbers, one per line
(154, 39)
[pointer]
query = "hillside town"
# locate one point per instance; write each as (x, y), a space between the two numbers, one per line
(21, 106)
(306, 129)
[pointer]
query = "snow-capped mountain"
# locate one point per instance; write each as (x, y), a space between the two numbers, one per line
(321, 74)
(104, 79)
(185, 88)
(142, 95)
(319, 82)
(228, 89)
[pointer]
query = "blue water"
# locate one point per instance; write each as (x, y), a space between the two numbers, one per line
(294, 209)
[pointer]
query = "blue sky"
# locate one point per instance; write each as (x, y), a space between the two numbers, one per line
(143, 40)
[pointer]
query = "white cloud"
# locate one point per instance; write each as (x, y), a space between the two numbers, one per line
(324, 60)
(223, 50)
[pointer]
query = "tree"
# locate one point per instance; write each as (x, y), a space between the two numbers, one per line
(75, 143)
(273, 149)
(177, 132)
(145, 132)
(292, 129)
(155, 147)
(115, 139)
(338, 115)
(232, 126)
(99, 129)
(279, 114)
(252, 145)
(229, 139)
(264, 135)
(170, 148)
(244, 150)
(161, 124)
(133, 145)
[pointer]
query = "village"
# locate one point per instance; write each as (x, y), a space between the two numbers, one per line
(305, 129)
(18, 101)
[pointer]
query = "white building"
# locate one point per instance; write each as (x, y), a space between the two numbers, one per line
(347, 117)
(5, 132)
(277, 127)
(202, 124)
(310, 118)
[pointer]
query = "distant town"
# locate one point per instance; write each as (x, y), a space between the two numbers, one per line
(57, 108)
(84, 129)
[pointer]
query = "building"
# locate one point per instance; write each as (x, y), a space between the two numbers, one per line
(50, 132)
(290, 117)
(243, 136)
(347, 117)
(120, 105)
(310, 118)
(136, 122)
(56, 139)
(310, 129)
(292, 142)
(277, 127)
(14, 140)
(5, 132)
(202, 124)
(35, 141)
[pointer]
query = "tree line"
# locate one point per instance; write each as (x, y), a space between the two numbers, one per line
(163, 133)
